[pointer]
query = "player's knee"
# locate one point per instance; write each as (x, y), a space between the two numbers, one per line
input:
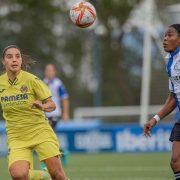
(175, 163)
(57, 174)
(23, 174)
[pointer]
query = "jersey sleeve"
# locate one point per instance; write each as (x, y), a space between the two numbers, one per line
(62, 92)
(40, 89)
(170, 86)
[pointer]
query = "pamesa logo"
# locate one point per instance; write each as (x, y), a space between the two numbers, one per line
(14, 98)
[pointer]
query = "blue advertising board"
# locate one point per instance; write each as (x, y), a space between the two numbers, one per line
(96, 137)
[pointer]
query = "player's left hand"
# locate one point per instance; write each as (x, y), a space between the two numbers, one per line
(37, 104)
(148, 127)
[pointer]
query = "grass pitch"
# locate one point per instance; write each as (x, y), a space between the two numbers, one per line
(107, 166)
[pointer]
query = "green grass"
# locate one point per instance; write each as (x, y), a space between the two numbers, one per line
(147, 166)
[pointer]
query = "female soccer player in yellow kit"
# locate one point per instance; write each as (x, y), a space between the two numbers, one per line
(24, 99)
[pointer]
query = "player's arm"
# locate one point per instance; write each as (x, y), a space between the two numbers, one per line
(46, 105)
(65, 109)
(64, 98)
(168, 107)
(43, 96)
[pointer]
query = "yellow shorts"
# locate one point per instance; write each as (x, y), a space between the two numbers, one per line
(44, 151)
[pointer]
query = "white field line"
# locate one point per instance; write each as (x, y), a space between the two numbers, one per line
(119, 169)
(123, 178)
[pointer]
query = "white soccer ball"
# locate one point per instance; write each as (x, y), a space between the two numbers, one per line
(83, 14)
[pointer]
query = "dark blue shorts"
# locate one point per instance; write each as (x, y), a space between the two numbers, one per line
(53, 121)
(175, 133)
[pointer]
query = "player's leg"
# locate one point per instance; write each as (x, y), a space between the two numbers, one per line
(19, 170)
(20, 161)
(175, 160)
(48, 152)
(55, 169)
(64, 156)
(38, 175)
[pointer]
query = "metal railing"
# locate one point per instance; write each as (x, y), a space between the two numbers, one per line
(87, 112)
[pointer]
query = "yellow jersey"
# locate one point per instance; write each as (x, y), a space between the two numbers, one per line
(25, 126)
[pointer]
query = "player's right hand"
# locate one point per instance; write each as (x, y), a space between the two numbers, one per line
(148, 126)
(37, 104)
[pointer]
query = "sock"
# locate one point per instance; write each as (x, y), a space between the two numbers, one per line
(38, 175)
(177, 175)
(43, 166)
(64, 157)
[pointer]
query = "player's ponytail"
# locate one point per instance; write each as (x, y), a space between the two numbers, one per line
(27, 61)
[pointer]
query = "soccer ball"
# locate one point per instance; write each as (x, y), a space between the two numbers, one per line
(83, 14)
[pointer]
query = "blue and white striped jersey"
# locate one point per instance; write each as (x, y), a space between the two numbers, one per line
(58, 93)
(173, 70)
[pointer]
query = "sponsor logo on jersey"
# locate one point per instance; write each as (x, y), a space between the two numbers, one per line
(14, 98)
(175, 78)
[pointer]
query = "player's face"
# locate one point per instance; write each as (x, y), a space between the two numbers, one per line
(12, 60)
(50, 72)
(171, 40)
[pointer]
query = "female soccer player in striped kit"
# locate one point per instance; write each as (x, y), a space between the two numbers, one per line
(24, 99)
(172, 46)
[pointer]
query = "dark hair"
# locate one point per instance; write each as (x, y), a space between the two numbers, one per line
(27, 61)
(8, 47)
(176, 27)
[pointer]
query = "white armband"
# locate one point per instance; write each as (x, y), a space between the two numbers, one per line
(157, 118)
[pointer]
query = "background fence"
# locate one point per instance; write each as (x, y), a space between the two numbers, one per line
(93, 136)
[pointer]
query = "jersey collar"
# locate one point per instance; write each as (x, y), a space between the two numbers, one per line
(175, 52)
(18, 77)
(47, 81)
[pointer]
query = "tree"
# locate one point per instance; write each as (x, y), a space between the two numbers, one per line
(43, 30)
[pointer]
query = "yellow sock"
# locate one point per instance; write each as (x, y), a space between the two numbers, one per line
(38, 175)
